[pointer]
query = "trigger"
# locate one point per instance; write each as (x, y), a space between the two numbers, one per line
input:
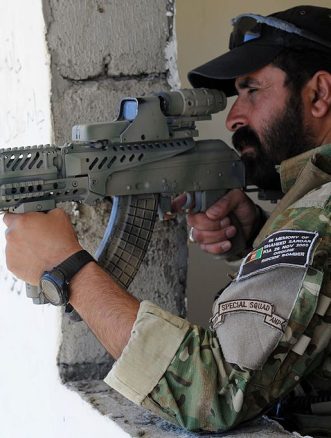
(193, 202)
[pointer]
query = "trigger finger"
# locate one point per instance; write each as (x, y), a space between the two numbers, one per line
(178, 203)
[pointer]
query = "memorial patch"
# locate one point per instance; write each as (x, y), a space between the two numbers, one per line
(282, 248)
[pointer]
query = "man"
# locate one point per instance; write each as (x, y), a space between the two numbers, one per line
(270, 328)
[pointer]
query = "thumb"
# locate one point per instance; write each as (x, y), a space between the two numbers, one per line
(225, 205)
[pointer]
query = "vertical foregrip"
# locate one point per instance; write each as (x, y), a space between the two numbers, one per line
(126, 243)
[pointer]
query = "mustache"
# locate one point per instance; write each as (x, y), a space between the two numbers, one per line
(259, 165)
(246, 136)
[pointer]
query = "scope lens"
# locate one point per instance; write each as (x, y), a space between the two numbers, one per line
(129, 109)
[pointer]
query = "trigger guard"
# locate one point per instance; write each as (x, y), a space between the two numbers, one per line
(195, 199)
(189, 201)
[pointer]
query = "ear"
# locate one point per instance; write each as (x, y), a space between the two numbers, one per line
(319, 93)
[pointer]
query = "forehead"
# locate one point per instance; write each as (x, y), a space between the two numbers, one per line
(266, 76)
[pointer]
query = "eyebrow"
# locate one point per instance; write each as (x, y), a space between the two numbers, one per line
(247, 82)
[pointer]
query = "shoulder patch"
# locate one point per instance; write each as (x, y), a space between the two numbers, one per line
(251, 317)
(282, 248)
(244, 305)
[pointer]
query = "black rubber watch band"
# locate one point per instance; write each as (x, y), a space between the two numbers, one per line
(74, 263)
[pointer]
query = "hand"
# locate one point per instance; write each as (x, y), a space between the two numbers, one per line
(213, 229)
(37, 242)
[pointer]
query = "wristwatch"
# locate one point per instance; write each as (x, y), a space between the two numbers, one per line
(55, 283)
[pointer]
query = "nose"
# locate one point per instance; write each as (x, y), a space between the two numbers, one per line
(237, 117)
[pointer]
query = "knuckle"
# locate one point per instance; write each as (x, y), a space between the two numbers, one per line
(211, 249)
(6, 219)
(10, 261)
(197, 236)
(216, 251)
(9, 235)
(54, 212)
(225, 222)
(57, 212)
(59, 216)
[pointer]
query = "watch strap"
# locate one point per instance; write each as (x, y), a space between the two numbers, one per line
(74, 263)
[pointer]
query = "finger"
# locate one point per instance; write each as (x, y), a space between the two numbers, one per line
(210, 237)
(225, 205)
(57, 212)
(226, 222)
(201, 222)
(217, 248)
(178, 203)
(9, 218)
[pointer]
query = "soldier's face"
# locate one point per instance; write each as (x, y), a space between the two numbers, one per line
(268, 124)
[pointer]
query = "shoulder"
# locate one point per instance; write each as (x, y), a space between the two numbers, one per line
(310, 213)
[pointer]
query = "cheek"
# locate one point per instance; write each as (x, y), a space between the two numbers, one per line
(261, 114)
(260, 126)
(270, 118)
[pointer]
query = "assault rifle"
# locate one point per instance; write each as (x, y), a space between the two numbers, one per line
(142, 160)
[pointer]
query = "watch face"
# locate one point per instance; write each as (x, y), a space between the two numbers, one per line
(53, 287)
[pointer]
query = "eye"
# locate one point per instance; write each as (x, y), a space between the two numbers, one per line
(252, 90)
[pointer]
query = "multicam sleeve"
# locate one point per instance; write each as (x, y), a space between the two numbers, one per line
(190, 385)
(201, 391)
(187, 380)
(178, 370)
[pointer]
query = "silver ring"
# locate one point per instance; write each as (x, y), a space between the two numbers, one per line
(190, 236)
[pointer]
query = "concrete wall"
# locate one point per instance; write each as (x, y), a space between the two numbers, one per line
(64, 63)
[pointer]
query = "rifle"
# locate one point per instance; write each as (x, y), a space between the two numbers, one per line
(141, 159)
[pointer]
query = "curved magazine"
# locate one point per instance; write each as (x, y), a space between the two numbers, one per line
(127, 236)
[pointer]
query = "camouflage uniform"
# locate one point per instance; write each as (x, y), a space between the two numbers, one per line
(271, 327)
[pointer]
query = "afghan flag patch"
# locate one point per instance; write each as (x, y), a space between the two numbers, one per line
(282, 248)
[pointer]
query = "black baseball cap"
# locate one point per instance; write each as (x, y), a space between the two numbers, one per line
(256, 40)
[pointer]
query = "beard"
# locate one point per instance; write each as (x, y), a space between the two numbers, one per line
(284, 137)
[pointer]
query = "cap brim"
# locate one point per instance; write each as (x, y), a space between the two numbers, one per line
(220, 72)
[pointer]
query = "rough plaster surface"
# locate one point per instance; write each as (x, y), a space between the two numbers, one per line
(107, 37)
(140, 423)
